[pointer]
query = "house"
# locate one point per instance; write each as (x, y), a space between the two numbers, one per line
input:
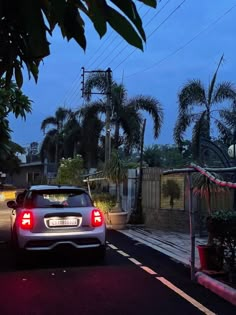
(33, 173)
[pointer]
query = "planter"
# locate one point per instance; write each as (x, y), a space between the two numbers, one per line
(211, 257)
(118, 220)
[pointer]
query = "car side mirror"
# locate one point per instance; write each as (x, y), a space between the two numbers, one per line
(12, 204)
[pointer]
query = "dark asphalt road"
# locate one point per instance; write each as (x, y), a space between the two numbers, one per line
(134, 279)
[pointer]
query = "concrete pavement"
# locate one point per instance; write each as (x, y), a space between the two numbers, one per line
(178, 247)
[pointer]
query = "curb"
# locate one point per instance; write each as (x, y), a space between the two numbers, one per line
(217, 287)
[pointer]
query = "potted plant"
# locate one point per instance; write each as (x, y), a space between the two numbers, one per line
(105, 202)
(210, 254)
(116, 172)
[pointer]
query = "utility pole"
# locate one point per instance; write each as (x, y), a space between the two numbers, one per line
(140, 179)
(107, 92)
(108, 118)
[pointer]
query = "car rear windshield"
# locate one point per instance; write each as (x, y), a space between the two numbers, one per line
(57, 198)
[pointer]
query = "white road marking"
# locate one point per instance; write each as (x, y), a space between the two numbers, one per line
(123, 253)
(167, 283)
(112, 246)
(185, 296)
(148, 270)
(136, 262)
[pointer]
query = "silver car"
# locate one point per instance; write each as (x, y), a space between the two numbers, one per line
(51, 216)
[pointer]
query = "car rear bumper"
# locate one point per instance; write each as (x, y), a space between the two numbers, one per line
(49, 241)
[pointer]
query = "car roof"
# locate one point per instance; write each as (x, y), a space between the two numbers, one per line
(56, 187)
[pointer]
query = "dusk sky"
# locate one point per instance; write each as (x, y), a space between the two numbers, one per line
(185, 40)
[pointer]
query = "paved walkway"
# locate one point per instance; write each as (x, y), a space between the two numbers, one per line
(175, 245)
(178, 247)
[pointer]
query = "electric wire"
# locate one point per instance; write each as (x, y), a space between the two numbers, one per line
(106, 48)
(163, 22)
(184, 45)
(74, 91)
(74, 82)
(126, 46)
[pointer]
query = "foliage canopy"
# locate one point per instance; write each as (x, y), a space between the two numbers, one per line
(26, 24)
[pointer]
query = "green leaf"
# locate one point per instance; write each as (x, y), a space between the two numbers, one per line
(74, 26)
(18, 76)
(31, 19)
(120, 24)
(150, 3)
(97, 13)
(57, 12)
(9, 74)
(129, 9)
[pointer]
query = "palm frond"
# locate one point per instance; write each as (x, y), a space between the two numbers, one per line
(93, 109)
(212, 83)
(192, 93)
(48, 121)
(183, 122)
(200, 129)
(98, 81)
(153, 107)
(223, 92)
(62, 114)
(225, 132)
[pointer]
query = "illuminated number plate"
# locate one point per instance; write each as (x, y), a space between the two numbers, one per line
(63, 222)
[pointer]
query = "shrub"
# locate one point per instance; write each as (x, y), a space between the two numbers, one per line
(104, 201)
(70, 171)
(222, 226)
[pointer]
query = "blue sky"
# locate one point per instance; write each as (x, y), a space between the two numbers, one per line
(185, 40)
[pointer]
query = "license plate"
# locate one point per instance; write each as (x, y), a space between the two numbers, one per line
(63, 222)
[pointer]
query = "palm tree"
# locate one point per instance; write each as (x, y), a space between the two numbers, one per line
(227, 124)
(196, 104)
(125, 113)
(72, 134)
(91, 128)
(53, 142)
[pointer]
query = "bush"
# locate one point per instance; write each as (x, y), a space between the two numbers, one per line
(70, 171)
(222, 227)
(104, 201)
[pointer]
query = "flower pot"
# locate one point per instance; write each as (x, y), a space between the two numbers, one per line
(118, 220)
(211, 257)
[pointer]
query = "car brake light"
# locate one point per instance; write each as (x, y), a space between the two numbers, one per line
(26, 220)
(97, 218)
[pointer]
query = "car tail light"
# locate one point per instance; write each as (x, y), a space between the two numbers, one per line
(96, 218)
(26, 220)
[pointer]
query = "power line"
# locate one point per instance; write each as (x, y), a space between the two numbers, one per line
(122, 50)
(105, 49)
(101, 45)
(166, 19)
(109, 53)
(184, 45)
